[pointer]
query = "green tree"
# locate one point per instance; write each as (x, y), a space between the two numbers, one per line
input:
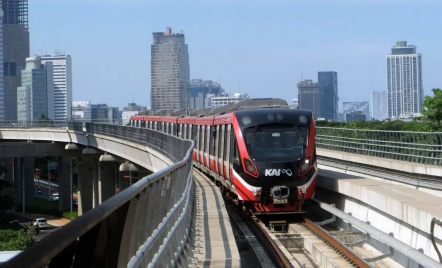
(432, 111)
(43, 117)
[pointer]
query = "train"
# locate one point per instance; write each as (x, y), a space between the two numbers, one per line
(260, 150)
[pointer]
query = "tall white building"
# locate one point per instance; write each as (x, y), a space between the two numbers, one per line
(82, 110)
(35, 96)
(404, 81)
(221, 101)
(379, 105)
(2, 89)
(170, 71)
(62, 65)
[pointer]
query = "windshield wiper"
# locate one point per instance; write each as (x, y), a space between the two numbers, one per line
(298, 133)
(252, 135)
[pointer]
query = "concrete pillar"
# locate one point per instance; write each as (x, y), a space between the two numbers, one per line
(95, 183)
(106, 181)
(8, 173)
(85, 178)
(24, 181)
(65, 183)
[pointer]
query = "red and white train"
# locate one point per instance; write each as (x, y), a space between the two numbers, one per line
(258, 149)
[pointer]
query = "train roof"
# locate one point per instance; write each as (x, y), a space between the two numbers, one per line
(219, 115)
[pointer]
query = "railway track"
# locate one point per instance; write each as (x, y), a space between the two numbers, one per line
(271, 252)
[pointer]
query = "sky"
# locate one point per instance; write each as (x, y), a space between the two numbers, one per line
(260, 47)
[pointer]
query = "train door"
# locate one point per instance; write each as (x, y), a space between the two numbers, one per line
(207, 158)
(203, 143)
(226, 151)
(198, 144)
(218, 138)
(221, 155)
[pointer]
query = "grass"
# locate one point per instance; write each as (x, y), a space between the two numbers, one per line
(13, 236)
(72, 215)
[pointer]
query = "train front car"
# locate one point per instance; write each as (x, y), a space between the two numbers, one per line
(274, 159)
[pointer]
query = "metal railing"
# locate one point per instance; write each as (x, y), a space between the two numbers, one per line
(149, 224)
(55, 123)
(417, 147)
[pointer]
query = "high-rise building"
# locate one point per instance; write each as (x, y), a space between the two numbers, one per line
(200, 90)
(34, 94)
(81, 110)
(2, 86)
(328, 95)
(170, 72)
(104, 112)
(404, 81)
(356, 107)
(379, 105)
(308, 96)
(15, 51)
(224, 100)
(62, 65)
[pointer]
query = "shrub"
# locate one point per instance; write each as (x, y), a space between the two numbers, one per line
(72, 215)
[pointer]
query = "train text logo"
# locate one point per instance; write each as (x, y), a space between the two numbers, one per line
(277, 172)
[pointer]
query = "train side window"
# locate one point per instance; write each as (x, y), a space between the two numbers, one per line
(226, 142)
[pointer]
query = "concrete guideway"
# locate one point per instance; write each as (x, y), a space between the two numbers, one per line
(215, 244)
(390, 207)
(386, 163)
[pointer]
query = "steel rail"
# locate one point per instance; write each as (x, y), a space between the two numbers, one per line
(408, 251)
(360, 262)
(281, 257)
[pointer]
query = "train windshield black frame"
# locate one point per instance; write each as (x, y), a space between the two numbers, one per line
(276, 142)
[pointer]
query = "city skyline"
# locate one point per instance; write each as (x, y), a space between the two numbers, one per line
(237, 60)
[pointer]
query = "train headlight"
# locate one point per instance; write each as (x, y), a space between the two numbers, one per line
(250, 168)
(246, 120)
(303, 119)
(305, 166)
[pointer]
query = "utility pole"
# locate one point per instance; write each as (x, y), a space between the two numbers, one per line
(23, 183)
(49, 185)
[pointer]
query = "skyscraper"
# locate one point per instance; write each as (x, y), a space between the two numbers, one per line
(308, 96)
(170, 88)
(34, 95)
(379, 103)
(328, 95)
(15, 51)
(200, 90)
(404, 81)
(62, 65)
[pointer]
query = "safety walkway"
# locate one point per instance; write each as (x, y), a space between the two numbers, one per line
(215, 244)
(389, 206)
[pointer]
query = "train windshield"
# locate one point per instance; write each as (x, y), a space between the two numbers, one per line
(276, 142)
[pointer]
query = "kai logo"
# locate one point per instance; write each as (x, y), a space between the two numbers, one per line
(277, 172)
